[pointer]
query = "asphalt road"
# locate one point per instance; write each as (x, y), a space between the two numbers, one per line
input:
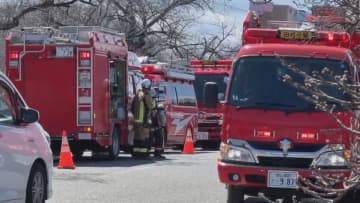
(179, 178)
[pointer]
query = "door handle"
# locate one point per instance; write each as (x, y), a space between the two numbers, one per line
(31, 140)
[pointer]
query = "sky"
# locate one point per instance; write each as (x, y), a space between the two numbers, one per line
(230, 12)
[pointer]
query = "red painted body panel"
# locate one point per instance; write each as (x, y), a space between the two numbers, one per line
(240, 124)
(44, 84)
(49, 84)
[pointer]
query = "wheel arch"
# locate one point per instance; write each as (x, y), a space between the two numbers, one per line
(42, 163)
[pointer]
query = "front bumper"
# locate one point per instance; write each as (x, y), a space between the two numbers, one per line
(257, 176)
(211, 131)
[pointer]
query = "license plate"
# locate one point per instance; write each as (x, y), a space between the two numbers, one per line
(296, 35)
(282, 179)
(84, 136)
(64, 51)
(203, 136)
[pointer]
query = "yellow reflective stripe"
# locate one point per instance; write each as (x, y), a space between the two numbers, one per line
(141, 113)
(143, 150)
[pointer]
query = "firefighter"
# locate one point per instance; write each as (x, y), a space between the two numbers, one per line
(158, 118)
(141, 108)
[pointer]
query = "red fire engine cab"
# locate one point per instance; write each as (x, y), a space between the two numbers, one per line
(174, 87)
(270, 135)
(209, 120)
(77, 78)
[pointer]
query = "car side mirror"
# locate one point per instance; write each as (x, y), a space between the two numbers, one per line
(211, 95)
(28, 115)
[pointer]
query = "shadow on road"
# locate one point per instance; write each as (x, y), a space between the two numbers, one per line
(125, 159)
(254, 200)
(197, 151)
(119, 162)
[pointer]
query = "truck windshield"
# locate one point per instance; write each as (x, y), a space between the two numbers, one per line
(201, 79)
(257, 83)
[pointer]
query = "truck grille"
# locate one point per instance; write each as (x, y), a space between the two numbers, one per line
(285, 162)
(296, 147)
(208, 125)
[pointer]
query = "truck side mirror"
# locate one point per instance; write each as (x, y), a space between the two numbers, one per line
(211, 95)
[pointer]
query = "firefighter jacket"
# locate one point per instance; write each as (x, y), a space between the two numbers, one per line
(141, 108)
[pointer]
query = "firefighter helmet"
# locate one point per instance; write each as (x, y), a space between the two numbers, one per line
(146, 84)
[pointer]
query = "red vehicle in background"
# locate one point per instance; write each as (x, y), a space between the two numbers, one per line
(270, 135)
(210, 120)
(175, 91)
(77, 78)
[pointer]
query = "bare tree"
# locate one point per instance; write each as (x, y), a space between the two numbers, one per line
(147, 20)
(152, 27)
(13, 11)
(216, 45)
(346, 17)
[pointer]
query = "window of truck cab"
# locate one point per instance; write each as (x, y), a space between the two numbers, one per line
(257, 82)
(201, 79)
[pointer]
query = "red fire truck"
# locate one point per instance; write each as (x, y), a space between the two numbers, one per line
(174, 87)
(209, 120)
(270, 135)
(77, 78)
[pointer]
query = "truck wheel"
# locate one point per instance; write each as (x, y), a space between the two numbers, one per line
(115, 144)
(235, 194)
(36, 186)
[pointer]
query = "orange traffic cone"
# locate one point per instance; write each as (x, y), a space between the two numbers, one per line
(189, 145)
(66, 161)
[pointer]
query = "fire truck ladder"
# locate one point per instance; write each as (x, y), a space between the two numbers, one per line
(82, 33)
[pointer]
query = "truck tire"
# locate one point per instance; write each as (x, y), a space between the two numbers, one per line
(235, 194)
(36, 186)
(114, 149)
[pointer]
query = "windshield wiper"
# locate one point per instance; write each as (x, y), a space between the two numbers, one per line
(265, 106)
(274, 104)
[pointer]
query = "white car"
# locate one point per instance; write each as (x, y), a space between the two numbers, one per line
(26, 161)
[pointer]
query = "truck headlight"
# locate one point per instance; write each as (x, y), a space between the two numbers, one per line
(331, 159)
(333, 156)
(234, 153)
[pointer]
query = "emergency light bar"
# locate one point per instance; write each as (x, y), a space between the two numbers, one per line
(178, 72)
(211, 64)
(256, 35)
